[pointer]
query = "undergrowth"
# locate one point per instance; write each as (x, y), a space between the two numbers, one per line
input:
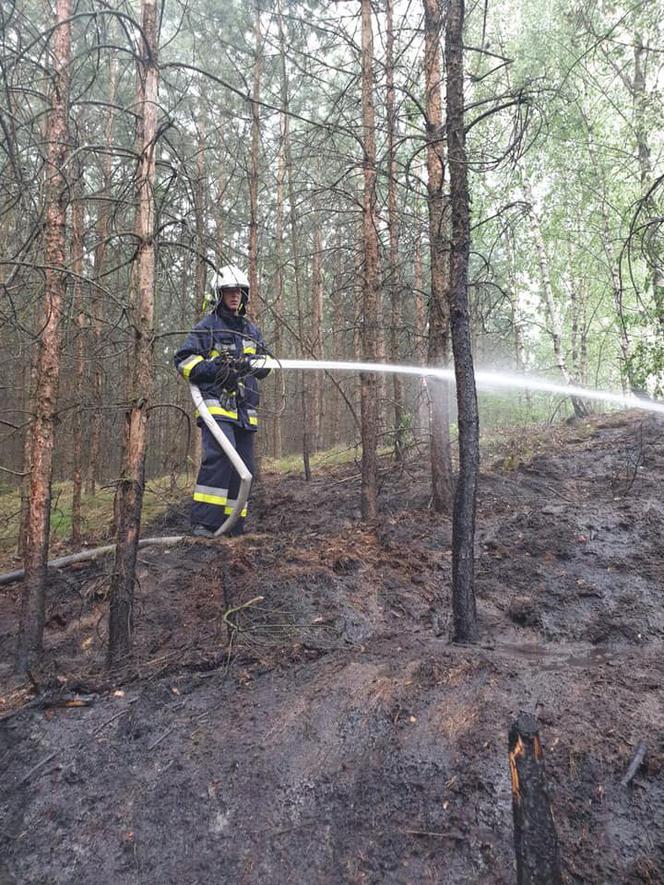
(503, 448)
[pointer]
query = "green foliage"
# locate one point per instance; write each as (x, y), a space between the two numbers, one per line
(645, 368)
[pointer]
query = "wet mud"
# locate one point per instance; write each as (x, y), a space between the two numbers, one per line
(295, 711)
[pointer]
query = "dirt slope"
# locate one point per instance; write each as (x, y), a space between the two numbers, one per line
(328, 732)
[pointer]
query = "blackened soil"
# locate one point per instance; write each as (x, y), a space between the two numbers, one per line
(296, 713)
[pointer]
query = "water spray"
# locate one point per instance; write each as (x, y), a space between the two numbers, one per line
(485, 379)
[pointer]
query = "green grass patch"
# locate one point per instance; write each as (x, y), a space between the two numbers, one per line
(96, 511)
(334, 457)
(330, 458)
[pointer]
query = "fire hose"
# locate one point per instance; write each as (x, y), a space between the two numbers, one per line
(231, 454)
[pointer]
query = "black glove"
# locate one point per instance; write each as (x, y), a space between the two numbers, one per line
(243, 365)
(247, 365)
(227, 376)
(260, 374)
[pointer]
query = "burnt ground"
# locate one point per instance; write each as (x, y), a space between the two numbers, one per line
(329, 731)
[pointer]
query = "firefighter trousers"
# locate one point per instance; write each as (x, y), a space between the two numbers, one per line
(218, 482)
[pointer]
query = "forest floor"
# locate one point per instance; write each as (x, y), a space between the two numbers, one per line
(296, 712)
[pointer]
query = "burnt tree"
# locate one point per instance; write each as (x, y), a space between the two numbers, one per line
(130, 487)
(535, 839)
(465, 499)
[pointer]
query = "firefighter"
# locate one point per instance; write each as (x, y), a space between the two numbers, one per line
(216, 356)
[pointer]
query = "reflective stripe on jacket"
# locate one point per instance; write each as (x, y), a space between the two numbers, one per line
(222, 333)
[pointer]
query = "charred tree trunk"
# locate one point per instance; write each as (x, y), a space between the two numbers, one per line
(129, 491)
(439, 310)
(535, 839)
(369, 390)
(465, 500)
(31, 625)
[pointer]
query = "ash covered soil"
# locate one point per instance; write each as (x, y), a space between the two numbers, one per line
(328, 731)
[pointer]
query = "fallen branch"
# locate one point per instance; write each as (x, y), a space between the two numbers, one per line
(36, 767)
(113, 718)
(160, 739)
(238, 608)
(90, 555)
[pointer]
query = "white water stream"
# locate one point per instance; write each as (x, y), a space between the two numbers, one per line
(486, 379)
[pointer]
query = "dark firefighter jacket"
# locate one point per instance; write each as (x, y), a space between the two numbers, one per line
(223, 333)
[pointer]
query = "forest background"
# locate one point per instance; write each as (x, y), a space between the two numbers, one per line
(257, 156)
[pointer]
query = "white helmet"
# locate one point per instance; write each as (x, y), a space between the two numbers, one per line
(231, 277)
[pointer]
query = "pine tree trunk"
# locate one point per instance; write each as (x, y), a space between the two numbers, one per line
(423, 416)
(98, 301)
(77, 248)
(200, 266)
(369, 389)
(31, 625)
(30, 384)
(220, 217)
(465, 501)
(338, 351)
(129, 492)
(393, 269)
(254, 168)
(200, 211)
(278, 285)
(317, 331)
(439, 316)
(295, 253)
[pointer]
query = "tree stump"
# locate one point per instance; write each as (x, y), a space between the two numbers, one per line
(535, 839)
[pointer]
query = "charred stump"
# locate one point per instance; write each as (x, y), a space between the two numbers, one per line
(535, 838)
